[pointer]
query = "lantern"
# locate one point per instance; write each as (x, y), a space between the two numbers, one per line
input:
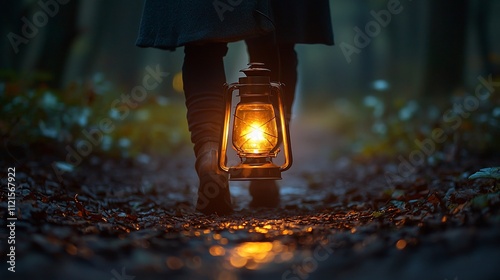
(259, 127)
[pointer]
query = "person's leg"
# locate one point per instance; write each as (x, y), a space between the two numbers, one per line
(282, 61)
(203, 77)
(288, 74)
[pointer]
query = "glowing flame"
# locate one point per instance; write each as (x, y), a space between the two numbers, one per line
(255, 128)
(256, 135)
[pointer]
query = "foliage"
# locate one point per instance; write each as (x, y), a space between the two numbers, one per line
(488, 173)
(380, 124)
(39, 114)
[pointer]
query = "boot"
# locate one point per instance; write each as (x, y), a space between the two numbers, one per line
(213, 191)
(203, 78)
(265, 193)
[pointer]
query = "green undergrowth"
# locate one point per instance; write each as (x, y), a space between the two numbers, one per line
(91, 118)
(381, 125)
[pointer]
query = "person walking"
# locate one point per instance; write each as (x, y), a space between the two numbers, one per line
(270, 28)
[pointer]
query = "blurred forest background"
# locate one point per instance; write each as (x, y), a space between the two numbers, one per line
(63, 79)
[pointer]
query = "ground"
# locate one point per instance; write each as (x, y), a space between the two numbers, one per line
(341, 217)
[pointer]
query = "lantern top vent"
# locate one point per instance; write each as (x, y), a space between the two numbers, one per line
(256, 69)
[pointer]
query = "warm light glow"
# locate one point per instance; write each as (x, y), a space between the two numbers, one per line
(252, 254)
(256, 135)
(177, 83)
(255, 129)
(174, 263)
(401, 244)
(217, 250)
(237, 261)
(261, 230)
(255, 250)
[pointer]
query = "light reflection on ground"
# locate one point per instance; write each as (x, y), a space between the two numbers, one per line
(253, 255)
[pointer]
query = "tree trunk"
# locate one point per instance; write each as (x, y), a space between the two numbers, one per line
(61, 32)
(446, 48)
(482, 19)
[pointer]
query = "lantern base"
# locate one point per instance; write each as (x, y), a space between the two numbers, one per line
(249, 172)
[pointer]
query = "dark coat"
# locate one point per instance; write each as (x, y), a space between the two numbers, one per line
(168, 24)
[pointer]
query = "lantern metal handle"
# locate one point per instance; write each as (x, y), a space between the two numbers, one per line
(284, 131)
(228, 98)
